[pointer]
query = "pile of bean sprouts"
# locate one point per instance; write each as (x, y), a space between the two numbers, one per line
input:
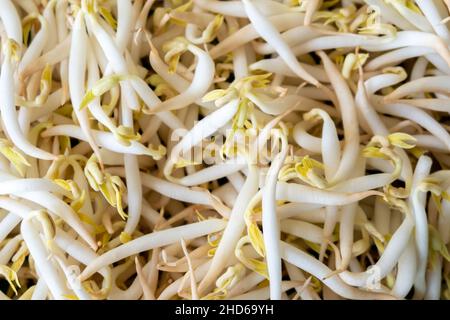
(205, 149)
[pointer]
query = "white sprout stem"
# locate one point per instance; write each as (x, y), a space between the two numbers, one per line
(407, 38)
(306, 140)
(102, 138)
(68, 272)
(388, 259)
(8, 250)
(403, 39)
(349, 118)
(416, 19)
(77, 69)
(201, 130)
(28, 6)
(303, 230)
(124, 24)
(406, 271)
(199, 272)
(313, 266)
(365, 183)
(394, 248)
(248, 33)
(193, 30)
(61, 7)
(292, 37)
(170, 189)
(49, 15)
(40, 291)
(150, 99)
(279, 105)
(237, 8)
(330, 146)
(11, 21)
(268, 66)
(12, 185)
(211, 173)
(367, 111)
(53, 102)
(346, 227)
(371, 117)
(300, 193)
(269, 33)
(59, 53)
(434, 280)
(247, 283)
(330, 219)
(115, 59)
(60, 10)
(95, 107)
(418, 202)
(444, 221)
(80, 179)
(425, 84)
(424, 140)
(78, 251)
(153, 240)
(384, 80)
(311, 7)
(434, 17)
(200, 84)
(240, 63)
(306, 293)
(418, 71)
(347, 221)
(136, 43)
(8, 223)
(176, 81)
(53, 204)
(264, 293)
(419, 116)
(381, 218)
(46, 268)
(134, 187)
(391, 15)
(15, 206)
(270, 223)
(442, 67)
(36, 47)
(132, 293)
(9, 114)
(337, 141)
(441, 64)
(60, 208)
(396, 56)
(233, 230)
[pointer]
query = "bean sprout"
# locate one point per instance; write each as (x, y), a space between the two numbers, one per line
(206, 149)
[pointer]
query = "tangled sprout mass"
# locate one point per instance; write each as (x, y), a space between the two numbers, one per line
(205, 149)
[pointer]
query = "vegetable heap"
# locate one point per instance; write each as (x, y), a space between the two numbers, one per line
(204, 149)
